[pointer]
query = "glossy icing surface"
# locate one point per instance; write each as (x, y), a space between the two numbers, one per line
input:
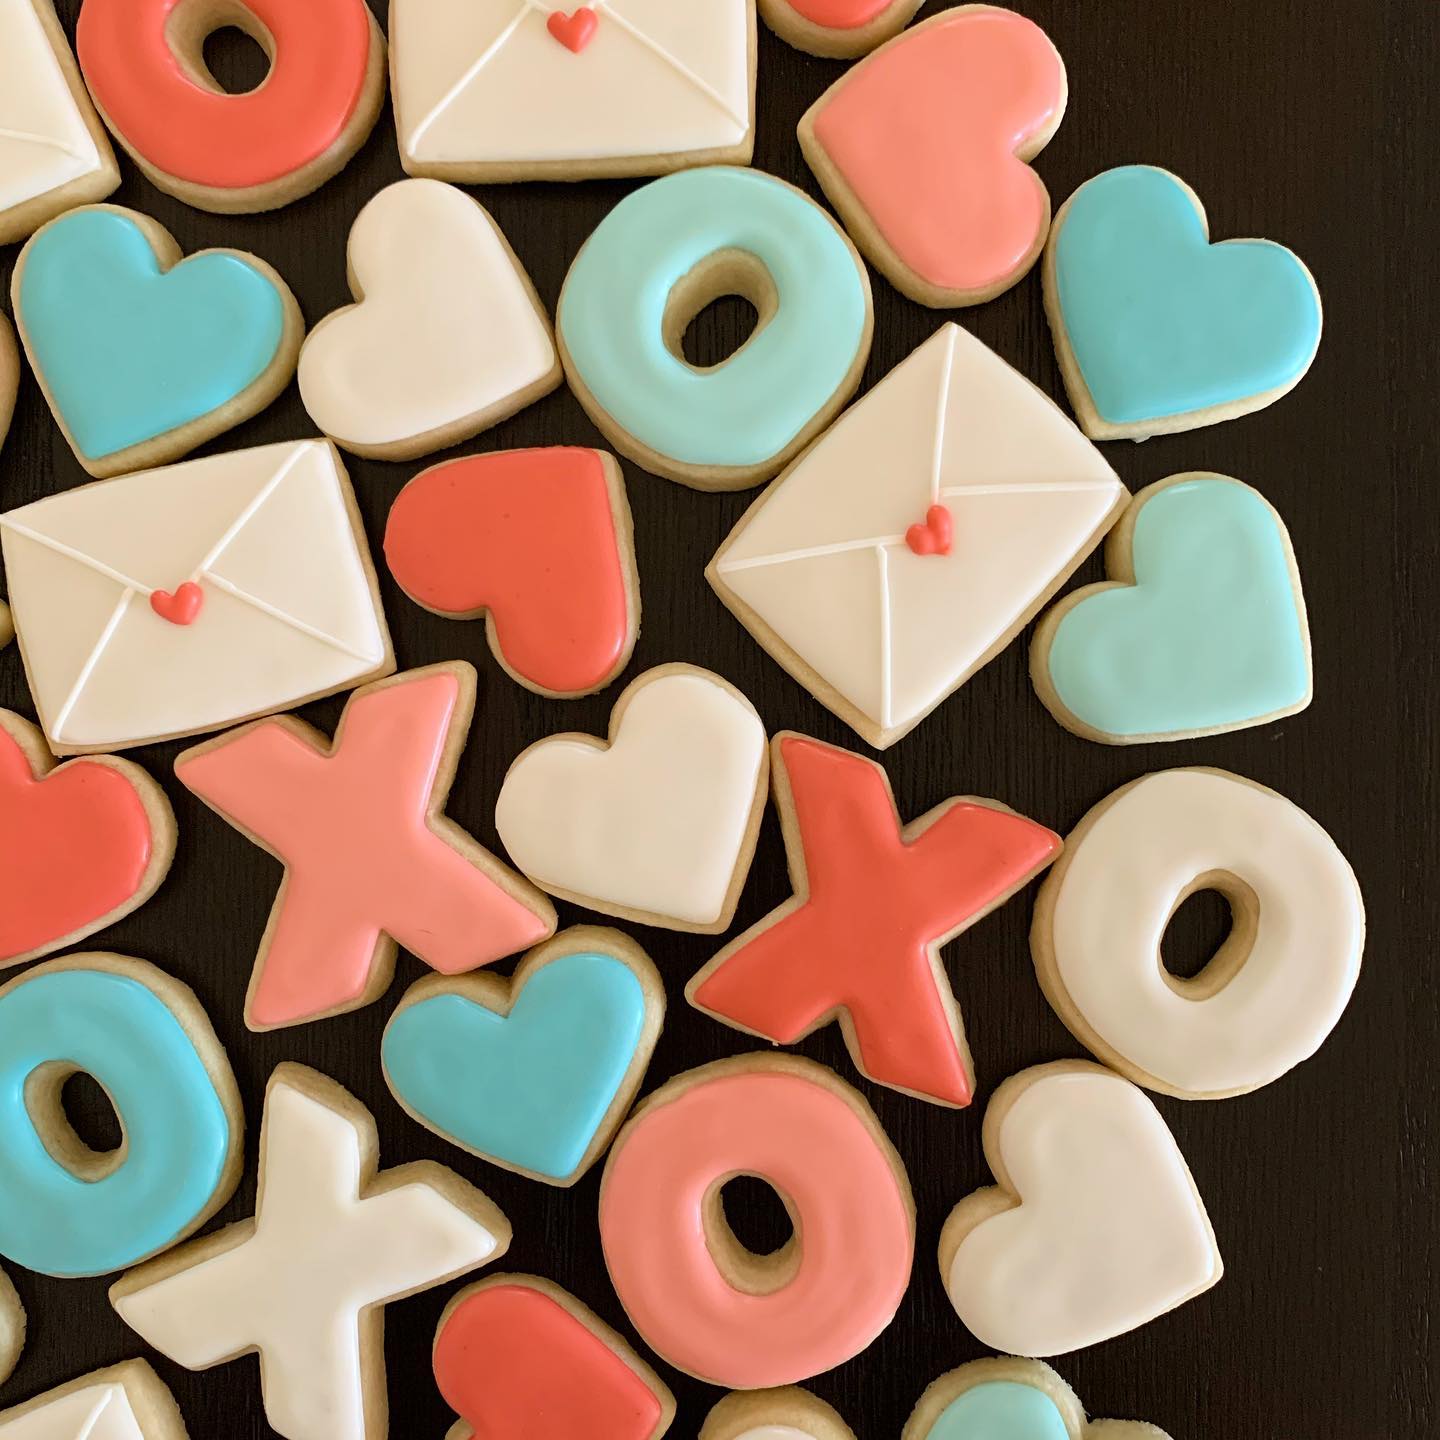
(1000, 1410)
(93, 1412)
(751, 406)
(840, 14)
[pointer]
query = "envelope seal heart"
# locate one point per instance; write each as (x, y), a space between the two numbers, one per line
(180, 607)
(574, 31)
(935, 535)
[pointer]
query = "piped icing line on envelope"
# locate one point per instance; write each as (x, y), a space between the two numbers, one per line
(124, 1402)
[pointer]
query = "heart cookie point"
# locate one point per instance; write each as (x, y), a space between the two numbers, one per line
(181, 606)
(574, 31)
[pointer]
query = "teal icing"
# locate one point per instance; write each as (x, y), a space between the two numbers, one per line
(1161, 322)
(129, 353)
(1210, 636)
(177, 1134)
(531, 1088)
(751, 406)
(1000, 1410)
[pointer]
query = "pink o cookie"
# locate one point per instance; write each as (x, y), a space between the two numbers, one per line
(838, 29)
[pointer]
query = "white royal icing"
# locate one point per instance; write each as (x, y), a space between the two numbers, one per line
(447, 328)
(822, 557)
(484, 81)
(44, 141)
(1109, 1232)
(1121, 883)
(656, 821)
(776, 1432)
(288, 609)
(318, 1258)
(93, 1412)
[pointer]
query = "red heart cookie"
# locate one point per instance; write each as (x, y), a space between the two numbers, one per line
(519, 1359)
(575, 31)
(924, 149)
(537, 540)
(80, 845)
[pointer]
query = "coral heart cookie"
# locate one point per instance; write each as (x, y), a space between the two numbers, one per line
(1095, 1227)
(447, 336)
(784, 1414)
(837, 29)
(659, 824)
(537, 1072)
(881, 623)
(539, 542)
(1200, 629)
(12, 1331)
(1008, 1399)
(81, 845)
(925, 150)
(517, 1356)
(1156, 329)
(125, 1402)
(144, 355)
(9, 376)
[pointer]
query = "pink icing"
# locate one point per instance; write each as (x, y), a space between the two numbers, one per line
(840, 14)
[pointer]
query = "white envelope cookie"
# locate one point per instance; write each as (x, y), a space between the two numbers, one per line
(125, 1402)
(181, 600)
(497, 90)
(918, 536)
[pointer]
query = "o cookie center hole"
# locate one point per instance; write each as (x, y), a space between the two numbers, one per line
(76, 1119)
(222, 45)
(751, 1231)
(718, 308)
(1209, 934)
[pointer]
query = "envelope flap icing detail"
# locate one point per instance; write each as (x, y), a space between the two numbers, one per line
(93, 1412)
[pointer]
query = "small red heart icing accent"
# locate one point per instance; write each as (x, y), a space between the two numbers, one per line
(181, 607)
(934, 536)
(575, 31)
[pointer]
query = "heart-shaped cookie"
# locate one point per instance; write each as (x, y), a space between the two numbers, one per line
(1095, 1227)
(658, 825)
(490, 534)
(1201, 628)
(924, 149)
(536, 1073)
(447, 336)
(81, 845)
(1156, 329)
(144, 355)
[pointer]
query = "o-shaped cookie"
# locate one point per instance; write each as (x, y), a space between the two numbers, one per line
(144, 63)
(699, 1298)
(65, 1209)
(658, 259)
(1271, 993)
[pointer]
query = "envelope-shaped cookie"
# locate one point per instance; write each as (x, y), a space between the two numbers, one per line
(918, 536)
(180, 600)
(490, 90)
(126, 1402)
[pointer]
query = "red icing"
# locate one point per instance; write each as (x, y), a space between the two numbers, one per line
(925, 132)
(875, 908)
(74, 846)
(181, 607)
(530, 536)
(934, 536)
(840, 14)
(516, 1365)
(227, 142)
(575, 31)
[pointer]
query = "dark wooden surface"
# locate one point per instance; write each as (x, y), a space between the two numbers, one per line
(1288, 119)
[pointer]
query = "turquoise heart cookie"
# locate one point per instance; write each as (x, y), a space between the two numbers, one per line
(1161, 323)
(1210, 636)
(530, 1089)
(1000, 1410)
(129, 352)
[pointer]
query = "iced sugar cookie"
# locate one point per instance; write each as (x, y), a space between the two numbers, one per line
(657, 825)
(9, 374)
(143, 1037)
(838, 29)
(125, 1402)
(181, 600)
(488, 535)
(447, 336)
(1200, 629)
(1156, 329)
(653, 264)
(916, 539)
(1094, 1227)
(1273, 991)
(144, 62)
(54, 152)
(534, 1073)
(142, 354)
(7, 625)
(498, 90)
(81, 845)
(517, 1356)
(699, 1299)
(305, 1282)
(786, 1414)
(370, 859)
(874, 902)
(12, 1328)
(924, 149)
(1008, 1399)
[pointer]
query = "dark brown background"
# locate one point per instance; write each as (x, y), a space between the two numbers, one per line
(1288, 118)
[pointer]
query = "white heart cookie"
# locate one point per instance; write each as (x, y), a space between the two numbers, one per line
(1096, 1226)
(447, 338)
(657, 826)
